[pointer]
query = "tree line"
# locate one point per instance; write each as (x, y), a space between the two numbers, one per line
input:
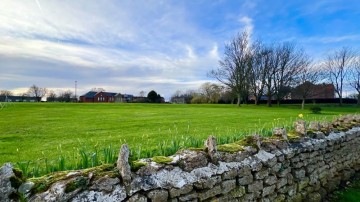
(273, 70)
(39, 92)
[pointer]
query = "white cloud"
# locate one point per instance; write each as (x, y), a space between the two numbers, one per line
(56, 42)
(248, 23)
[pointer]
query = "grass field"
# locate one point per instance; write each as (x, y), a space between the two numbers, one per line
(31, 131)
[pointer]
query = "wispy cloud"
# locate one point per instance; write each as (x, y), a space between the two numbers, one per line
(248, 23)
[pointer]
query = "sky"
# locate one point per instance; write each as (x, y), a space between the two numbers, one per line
(130, 46)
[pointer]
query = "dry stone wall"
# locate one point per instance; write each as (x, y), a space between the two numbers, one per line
(306, 169)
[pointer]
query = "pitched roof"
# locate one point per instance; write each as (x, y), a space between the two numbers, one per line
(110, 94)
(90, 94)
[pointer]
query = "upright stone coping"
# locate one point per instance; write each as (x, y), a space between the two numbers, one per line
(6, 173)
(210, 145)
(301, 171)
(123, 164)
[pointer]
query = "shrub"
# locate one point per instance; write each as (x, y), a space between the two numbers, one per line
(315, 110)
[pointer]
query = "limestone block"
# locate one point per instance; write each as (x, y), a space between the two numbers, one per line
(261, 174)
(123, 164)
(6, 172)
(281, 182)
(255, 186)
(268, 190)
(314, 125)
(248, 197)
(238, 192)
(280, 132)
(295, 198)
(210, 193)
(289, 153)
(117, 195)
(314, 197)
(158, 195)
(280, 198)
(270, 180)
(25, 187)
(175, 192)
(303, 184)
(231, 174)
(300, 127)
(292, 190)
(290, 178)
(137, 198)
(244, 170)
(210, 145)
(254, 163)
(228, 185)
(189, 197)
(276, 168)
(189, 160)
(284, 172)
(266, 158)
(299, 173)
(245, 180)
(207, 183)
(106, 184)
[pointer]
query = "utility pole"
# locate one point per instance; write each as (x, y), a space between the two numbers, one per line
(76, 90)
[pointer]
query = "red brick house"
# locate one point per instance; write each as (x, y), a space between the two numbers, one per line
(93, 96)
(317, 91)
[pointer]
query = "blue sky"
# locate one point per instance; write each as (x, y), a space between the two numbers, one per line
(132, 46)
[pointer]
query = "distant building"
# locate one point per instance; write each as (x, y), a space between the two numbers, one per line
(18, 99)
(140, 99)
(178, 100)
(93, 96)
(123, 97)
(318, 91)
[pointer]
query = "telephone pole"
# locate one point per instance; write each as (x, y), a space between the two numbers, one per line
(76, 91)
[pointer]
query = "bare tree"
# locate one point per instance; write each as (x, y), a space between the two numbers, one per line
(272, 63)
(290, 62)
(142, 93)
(234, 68)
(338, 65)
(211, 92)
(65, 96)
(51, 96)
(260, 70)
(308, 77)
(355, 80)
(5, 93)
(37, 92)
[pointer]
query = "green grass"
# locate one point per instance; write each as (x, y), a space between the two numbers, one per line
(58, 131)
(350, 193)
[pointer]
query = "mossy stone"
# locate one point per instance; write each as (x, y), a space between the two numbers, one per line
(161, 159)
(136, 165)
(79, 182)
(15, 182)
(196, 149)
(41, 184)
(230, 148)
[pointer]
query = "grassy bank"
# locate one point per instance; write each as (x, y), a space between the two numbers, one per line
(32, 131)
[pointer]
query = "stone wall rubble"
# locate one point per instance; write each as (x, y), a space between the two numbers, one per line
(305, 167)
